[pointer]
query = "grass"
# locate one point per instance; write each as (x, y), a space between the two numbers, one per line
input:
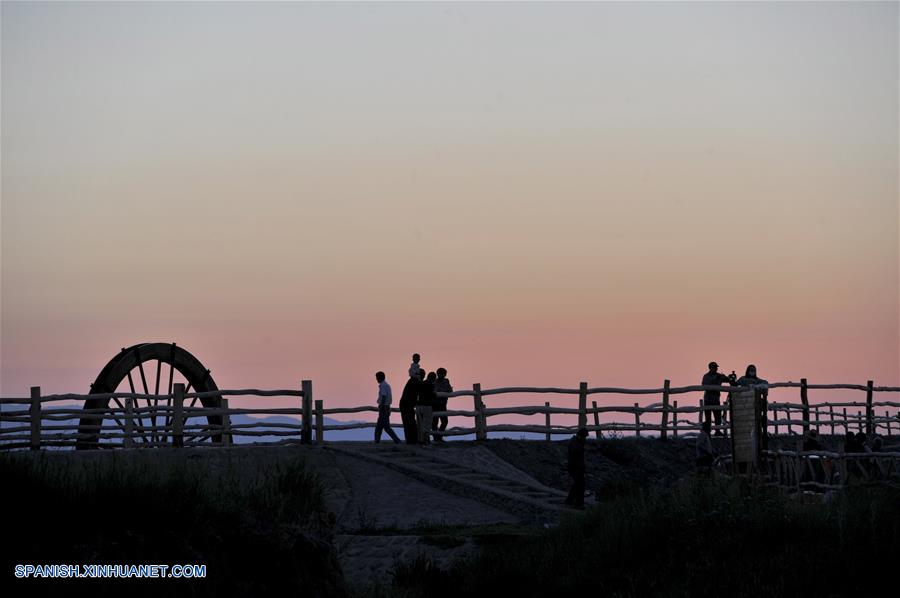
(253, 524)
(702, 537)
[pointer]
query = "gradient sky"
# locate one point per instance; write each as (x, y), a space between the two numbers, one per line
(526, 194)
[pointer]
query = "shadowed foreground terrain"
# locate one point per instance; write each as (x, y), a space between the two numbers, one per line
(460, 519)
(259, 527)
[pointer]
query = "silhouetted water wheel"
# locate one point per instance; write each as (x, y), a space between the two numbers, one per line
(133, 370)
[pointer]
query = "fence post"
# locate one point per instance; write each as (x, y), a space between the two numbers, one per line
(846, 422)
(320, 422)
(859, 420)
(35, 415)
(307, 404)
(226, 422)
(480, 418)
(596, 420)
(869, 414)
(831, 415)
(775, 419)
(700, 413)
(665, 414)
(804, 398)
(787, 412)
(887, 421)
(547, 419)
(674, 419)
(582, 405)
(178, 416)
(129, 423)
(637, 421)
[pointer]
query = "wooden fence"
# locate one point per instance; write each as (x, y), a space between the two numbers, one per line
(179, 423)
(828, 470)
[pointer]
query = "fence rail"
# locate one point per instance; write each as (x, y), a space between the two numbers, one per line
(126, 423)
(827, 470)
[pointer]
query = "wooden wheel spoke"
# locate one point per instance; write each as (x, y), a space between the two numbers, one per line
(150, 403)
(171, 367)
(122, 425)
(156, 388)
(138, 416)
(143, 378)
(187, 390)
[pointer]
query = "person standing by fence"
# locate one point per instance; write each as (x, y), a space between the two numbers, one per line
(384, 409)
(408, 401)
(576, 468)
(414, 367)
(442, 384)
(711, 397)
(425, 408)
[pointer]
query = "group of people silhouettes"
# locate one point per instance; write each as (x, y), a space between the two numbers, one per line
(711, 397)
(418, 403)
(706, 451)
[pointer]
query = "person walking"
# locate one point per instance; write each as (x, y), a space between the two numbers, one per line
(711, 397)
(442, 384)
(576, 468)
(425, 408)
(408, 401)
(384, 409)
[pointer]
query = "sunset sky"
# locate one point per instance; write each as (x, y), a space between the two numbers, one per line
(524, 193)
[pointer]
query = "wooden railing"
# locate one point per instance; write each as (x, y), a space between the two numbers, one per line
(828, 470)
(179, 423)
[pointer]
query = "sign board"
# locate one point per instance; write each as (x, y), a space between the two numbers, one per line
(744, 426)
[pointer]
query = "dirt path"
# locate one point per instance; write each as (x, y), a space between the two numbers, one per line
(377, 497)
(388, 513)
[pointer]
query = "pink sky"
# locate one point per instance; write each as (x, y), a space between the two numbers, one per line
(525, 194)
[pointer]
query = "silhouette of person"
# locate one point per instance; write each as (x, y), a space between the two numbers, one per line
(576, 468)
(811, 441)
(706, 452)
(442, 384)
(414, 367)
(711, 397)
(408, 401)
(425, 408)
(877, 444)
(751, 379)
(384, 409)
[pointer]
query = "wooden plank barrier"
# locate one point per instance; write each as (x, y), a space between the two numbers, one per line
(320, 423)
(307, 405)
(547, 419)
(35, 414)
(187, 425)
(665, 413)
